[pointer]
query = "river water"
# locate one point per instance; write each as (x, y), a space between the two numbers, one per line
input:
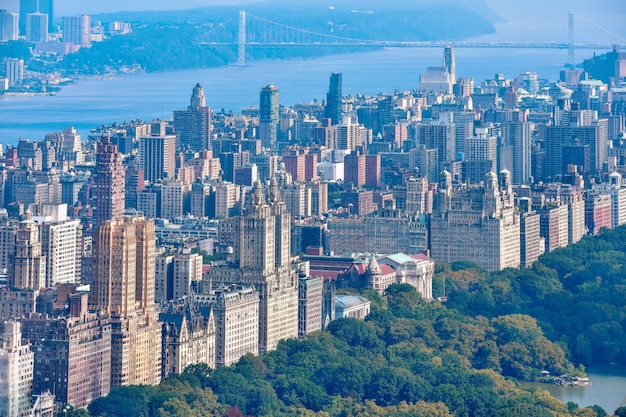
(608, 388)
(91, 102)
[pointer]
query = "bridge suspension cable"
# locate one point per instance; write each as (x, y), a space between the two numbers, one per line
(255, 31)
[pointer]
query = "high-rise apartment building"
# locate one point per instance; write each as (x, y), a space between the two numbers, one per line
(36, 27)
(9, 26)
(72, 353)
(187, 269)
(14, 70)
(297, 198)
(226, 199)
(269, 116)
(347, 136)
(532, 245)
(77, 30)
(16, 371)
(109, 183)
(437, 80)
(60, 241)
(334, 97)
(157, 157)
(615, 188)
(419, 199)
(7, 243)
(240, 305)
(193, 126)
(439, 135)
(476, 223)
(580, 129)
(258, 247)
(354, 169)
(36, 6)
(123, 288)
(174, 199)
(377, 234)
(310, 298)
(519, 135)
(27, 264)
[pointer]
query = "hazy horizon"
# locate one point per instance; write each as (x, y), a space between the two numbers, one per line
(606, 14)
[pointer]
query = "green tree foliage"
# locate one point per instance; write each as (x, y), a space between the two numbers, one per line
(14, 49)
(412, 358)
(575, 295)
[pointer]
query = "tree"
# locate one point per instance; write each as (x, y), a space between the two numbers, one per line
(355, 333)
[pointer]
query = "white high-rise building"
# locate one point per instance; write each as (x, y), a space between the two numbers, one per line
(187, 268)
(9, 26)
(60, 243)
(16, 372)
(14, 70)
(226, 199)
(36, 27)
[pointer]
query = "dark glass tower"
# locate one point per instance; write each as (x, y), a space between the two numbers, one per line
(448, 61)
(333, 109)
(269, 116)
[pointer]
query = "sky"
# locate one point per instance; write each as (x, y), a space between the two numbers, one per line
(510, 10)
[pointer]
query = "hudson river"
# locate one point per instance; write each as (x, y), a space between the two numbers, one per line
(91, 102)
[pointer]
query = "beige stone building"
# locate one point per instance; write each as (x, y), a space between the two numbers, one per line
(123, 287)
(258, 248)
(188, 337)
(477, 223)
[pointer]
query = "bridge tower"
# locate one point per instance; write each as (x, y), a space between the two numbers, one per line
(241, 40)
(570, 38)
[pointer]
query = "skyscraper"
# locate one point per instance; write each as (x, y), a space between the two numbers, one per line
(27, 264)
(77, 30)
(36, 27)
(14, 70)
(72, 353)
(448, 61)
(60, 238)
(593, 133)
(477, 223)
(16, 371)
(518, 135)
(123, 289)
(9, 26)
(259, 243)
(109, 183)
(194, 124)
(269, 116)
(334, 97)
(36, 6)
(156, 157)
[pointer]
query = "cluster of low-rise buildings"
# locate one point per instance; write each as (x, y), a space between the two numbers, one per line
(149, 247)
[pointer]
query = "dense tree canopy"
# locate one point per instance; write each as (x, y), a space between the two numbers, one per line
(413, 358)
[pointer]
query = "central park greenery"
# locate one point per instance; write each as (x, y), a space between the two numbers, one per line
(416, 358)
